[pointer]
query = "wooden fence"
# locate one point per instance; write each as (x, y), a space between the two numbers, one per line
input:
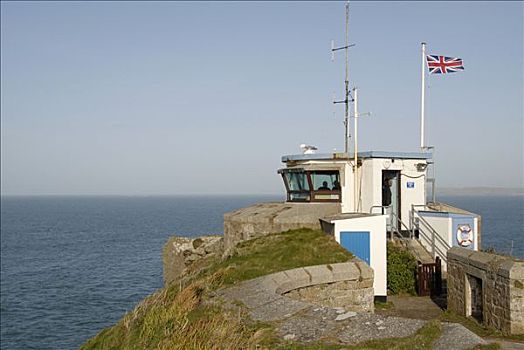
(429, 278)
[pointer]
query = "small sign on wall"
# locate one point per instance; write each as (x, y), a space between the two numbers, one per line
(411, 184)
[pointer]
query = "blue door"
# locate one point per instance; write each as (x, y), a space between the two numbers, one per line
(357, 242)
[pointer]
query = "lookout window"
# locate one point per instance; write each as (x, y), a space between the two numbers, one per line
(311, 186)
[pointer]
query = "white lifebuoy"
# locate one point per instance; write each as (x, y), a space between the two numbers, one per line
(464, 235)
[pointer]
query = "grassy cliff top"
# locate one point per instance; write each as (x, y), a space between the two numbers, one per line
(177, 317)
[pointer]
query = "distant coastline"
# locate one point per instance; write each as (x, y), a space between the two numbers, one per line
(481, 191)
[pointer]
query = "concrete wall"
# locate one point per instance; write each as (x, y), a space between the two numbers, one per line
(348, 285)
(352, 295)
(501, 293)
(266, 218)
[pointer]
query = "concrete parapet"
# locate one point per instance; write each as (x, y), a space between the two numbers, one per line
(265, 218)
(488, 287)
(333, 285)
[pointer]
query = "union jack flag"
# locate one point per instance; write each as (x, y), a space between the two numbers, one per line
(443, 64)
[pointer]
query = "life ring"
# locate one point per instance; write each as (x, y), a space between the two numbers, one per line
(464, 235)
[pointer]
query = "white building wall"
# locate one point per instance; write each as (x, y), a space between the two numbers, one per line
(442, 225)
(411, 195)
(376, 225)
(370, 183)
(347, 188)
(371, 178)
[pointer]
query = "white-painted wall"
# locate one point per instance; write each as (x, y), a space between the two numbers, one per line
(347, 189)
(376, 225)
(442, 226)
(415, 195)
(445, 237)
(370, 182)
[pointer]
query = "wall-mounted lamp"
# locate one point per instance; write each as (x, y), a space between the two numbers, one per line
(421, 166)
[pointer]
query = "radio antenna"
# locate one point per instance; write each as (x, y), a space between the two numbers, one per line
(347, 95)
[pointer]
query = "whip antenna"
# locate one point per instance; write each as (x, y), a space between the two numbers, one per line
(347, 94)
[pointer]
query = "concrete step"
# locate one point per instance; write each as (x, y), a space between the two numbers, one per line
(416, 248)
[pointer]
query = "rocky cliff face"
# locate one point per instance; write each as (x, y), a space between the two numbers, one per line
(180, 252)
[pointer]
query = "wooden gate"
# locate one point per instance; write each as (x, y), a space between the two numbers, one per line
(429, 278)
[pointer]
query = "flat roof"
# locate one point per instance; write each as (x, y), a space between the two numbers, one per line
(345, 216)
(366, 154)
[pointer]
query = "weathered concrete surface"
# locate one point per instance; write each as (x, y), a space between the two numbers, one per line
(501, 292)
(266, 218)
(301, 321)
(375, 327)
(416, 249)
(457, 337)
(180, 252)
(423, 308)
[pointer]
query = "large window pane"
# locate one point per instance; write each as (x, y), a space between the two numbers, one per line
(297, 181)
(325, 180)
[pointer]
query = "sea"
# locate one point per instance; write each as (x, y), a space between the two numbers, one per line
(71, 266)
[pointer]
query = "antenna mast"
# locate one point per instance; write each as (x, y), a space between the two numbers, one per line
(346, 81)
(347, 95)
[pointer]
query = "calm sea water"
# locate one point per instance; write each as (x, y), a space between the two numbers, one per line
(71, 266)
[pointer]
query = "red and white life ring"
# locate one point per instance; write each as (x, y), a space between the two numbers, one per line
(464, 235)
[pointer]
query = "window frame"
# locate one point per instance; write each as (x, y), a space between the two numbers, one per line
(312, 192)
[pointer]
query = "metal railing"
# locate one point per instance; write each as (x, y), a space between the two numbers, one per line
(432, 236)
(392, 219)
(399, 221)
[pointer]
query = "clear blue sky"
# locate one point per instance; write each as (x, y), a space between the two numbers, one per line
(188, 97)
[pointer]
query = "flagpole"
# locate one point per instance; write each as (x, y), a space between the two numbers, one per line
(355, 133)
(423, 95)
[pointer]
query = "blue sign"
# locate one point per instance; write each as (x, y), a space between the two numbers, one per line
(411, 184)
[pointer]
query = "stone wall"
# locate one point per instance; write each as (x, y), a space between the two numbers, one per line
(354, 295)
(181, 252)
(266, 218)
(283, 293)
(488, 287)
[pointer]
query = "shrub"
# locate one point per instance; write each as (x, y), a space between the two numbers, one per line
(402, 267)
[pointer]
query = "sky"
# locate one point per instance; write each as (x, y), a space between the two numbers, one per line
(161, 98)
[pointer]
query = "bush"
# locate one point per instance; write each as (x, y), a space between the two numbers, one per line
(402, 267)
